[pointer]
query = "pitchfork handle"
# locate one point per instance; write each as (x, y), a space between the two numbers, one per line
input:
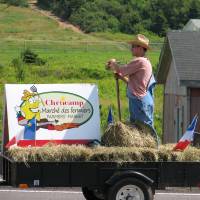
(118, 97)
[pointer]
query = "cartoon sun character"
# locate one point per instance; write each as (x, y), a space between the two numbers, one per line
(28, 114)
(30, 106)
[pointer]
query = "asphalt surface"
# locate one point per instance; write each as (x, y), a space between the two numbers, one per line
(9, 193)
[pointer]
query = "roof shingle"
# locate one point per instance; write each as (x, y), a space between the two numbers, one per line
(184, 47)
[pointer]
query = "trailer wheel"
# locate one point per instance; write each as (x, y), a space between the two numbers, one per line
(90, 194)
(129, 189)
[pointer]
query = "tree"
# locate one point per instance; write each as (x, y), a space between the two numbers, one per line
(159, 24)
(127, 16)
(130, 22)
(194, 9)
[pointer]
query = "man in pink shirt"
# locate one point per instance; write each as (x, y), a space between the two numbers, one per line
(140, 82)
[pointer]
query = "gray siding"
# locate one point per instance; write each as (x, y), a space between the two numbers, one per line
(175, 118)
(168, 123)
(175, 108)
(172, 84)
(179, 70)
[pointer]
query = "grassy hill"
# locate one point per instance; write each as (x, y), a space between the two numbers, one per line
(70, 57)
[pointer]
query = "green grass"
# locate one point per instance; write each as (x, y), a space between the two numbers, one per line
(24, 23)
(71, 57)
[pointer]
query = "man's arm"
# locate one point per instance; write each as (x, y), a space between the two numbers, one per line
(113, 65)
(127, 69)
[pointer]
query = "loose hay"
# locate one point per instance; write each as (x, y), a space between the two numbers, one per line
(191, 154)
(63, 153)
(49, 153)
(122, 135)
(118, 154)
(165, 153)
(123, 143)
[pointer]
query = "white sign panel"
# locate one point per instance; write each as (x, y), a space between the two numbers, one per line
(61, 113)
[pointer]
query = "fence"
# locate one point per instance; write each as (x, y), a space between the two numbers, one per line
(55, 46)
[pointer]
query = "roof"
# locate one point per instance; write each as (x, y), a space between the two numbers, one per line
(192, 24)
(183, 47)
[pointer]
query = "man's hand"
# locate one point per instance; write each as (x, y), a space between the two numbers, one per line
(111, 64)
(123, 78)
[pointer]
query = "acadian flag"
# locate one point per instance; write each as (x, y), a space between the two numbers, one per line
(188, 136)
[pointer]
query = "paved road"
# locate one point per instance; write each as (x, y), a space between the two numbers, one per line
(7, 193)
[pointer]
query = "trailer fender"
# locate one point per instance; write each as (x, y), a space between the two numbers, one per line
(128, 174)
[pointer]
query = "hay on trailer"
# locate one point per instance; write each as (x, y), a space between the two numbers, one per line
(149, 154)
(118, 154)
(165, 153)
(191, 154)
(49, 153)
(62, 153)
(123, 143)
(124, 135)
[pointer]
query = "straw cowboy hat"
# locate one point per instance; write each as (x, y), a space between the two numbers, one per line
(140, 40)
(27, 95)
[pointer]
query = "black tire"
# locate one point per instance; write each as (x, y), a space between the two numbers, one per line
(139, 187)
(91, 194)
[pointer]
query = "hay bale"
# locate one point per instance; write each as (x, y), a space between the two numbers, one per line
(50, 153)
(191, 154)
(63, 153)
(117, 154)
(149, 154)
(164, 156)
(133, 154)
(122, 135)
(166, 153)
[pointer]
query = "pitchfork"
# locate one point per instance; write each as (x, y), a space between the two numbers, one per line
(34, 89)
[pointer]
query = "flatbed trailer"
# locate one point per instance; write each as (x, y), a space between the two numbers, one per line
(104, 180)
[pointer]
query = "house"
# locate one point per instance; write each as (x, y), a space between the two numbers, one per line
(192, 25)
(179, 71)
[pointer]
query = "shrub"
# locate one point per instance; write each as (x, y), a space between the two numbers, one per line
(45, 4)
(29, 57)
(18, 64)
(94, 22)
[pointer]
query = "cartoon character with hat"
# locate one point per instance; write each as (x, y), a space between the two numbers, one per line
(28, 113)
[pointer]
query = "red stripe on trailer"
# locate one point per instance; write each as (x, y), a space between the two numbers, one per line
(25, 143)
(11, 142)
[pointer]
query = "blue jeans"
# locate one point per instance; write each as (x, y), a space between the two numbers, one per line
(142, 109)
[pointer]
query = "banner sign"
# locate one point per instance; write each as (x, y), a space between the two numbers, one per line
(60, 113)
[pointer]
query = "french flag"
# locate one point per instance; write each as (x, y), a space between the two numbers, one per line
(188, 136)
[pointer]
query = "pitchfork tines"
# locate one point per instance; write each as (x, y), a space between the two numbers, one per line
(34, 89)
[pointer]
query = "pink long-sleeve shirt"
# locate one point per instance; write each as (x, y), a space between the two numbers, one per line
(139, 72)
